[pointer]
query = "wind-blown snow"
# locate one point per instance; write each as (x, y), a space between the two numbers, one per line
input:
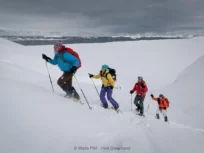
(33, 119)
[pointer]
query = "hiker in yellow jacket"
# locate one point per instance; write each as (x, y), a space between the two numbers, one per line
(107, 86)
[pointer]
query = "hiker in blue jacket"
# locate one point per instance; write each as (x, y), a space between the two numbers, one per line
(67, 63)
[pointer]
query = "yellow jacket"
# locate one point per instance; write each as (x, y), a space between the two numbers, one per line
(106, 81)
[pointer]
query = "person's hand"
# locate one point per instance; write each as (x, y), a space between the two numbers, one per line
(46, 58)
(73, 69)
(90, 75)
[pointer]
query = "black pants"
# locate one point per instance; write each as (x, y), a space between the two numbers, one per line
(139, 102)
(65, 82)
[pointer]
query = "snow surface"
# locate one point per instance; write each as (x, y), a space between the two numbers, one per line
(34, 119)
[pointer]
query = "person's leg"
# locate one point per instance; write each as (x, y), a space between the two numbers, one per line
(142, 105)
(136, 102)
(157, 113)
(102, 97)
(65, 82)
(164, 112)
(68, 78)
(61, 80)
(110, 98)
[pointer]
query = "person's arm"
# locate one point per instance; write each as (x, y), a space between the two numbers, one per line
(134, 88)
(97, 76)
(53, 61)
(156, 99)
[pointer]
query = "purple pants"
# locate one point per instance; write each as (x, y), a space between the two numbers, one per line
(107, 90)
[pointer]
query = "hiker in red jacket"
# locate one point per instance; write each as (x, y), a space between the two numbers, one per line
(140, 88)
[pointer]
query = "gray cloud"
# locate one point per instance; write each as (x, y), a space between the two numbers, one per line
(103, 16)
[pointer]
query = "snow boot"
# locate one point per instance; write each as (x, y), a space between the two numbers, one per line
(157, 116)
(140, 114)
(137, 109)
(75, 94)
(68, 90)
(166, 119)
(105, 107)
(116, 108)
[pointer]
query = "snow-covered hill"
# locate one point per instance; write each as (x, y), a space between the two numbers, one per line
(34, 119)
(186, 96)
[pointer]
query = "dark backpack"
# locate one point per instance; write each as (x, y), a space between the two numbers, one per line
(112, 72)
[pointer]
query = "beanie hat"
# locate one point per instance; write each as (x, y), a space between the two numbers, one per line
(161, 96)
(140, 78)
(58, 44)
(105, 67)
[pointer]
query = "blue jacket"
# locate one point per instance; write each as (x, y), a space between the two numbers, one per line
(65, 66)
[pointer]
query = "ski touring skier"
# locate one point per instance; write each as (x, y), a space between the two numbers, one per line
(163, 104)
(140, 88)
(107, 86)
(68, 64)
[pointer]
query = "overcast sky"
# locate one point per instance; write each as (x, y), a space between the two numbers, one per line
(103, 16)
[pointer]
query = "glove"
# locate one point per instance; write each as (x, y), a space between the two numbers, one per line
(164, 108)
(73, 69)
(152, 95)
(90, 75)
(46, 58)
(111, 87)
(142, 85)
(131, 92)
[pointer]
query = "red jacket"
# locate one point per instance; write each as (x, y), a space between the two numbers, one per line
(138, 88)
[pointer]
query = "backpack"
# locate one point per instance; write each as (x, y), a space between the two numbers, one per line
(112, 72)
(167, 102)
(71, 51)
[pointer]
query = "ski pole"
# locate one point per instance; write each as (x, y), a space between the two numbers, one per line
(131, 102)
(95, 87)
(82, 91)
(49, 76)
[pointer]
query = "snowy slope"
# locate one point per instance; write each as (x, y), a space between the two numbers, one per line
(34, 119)
(186, 96)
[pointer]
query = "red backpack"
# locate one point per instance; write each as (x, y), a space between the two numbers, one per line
(71, 51)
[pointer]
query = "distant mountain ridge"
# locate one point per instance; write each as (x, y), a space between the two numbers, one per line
(45, 38)
(41, 40)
